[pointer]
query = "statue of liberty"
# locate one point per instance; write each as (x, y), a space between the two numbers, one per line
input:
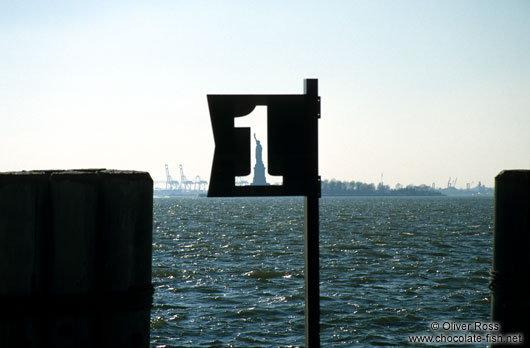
(259, 168)
(259, 150)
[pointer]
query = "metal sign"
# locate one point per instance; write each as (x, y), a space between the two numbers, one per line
(292, 128)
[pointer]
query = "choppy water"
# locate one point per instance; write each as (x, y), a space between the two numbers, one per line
(229, 272)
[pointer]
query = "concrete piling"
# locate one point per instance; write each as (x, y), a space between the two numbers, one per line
(75, 258)
(21, 222)
(510, 281)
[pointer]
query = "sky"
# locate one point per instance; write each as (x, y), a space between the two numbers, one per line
(414, 91)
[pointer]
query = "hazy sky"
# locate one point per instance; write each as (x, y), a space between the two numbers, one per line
(417, 90)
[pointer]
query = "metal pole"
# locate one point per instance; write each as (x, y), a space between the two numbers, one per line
(311, 273)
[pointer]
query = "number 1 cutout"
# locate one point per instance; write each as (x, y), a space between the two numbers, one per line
(257, 121)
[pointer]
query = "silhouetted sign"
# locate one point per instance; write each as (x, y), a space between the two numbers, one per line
(292, 130)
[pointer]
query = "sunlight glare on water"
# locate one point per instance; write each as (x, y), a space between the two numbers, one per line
(229, 272)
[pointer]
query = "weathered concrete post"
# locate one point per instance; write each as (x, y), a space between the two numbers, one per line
(70, 249)
(126, 215)
(22, 222)
(510, 275)
(75, 258)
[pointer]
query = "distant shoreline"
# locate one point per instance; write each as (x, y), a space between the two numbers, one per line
(417, 195)
(360, 189)
(334, 188)
(382, 195)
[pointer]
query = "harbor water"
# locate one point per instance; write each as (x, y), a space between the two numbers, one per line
(229, 272)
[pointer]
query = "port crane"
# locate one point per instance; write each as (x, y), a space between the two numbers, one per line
(185, 184)
(170, 183)
(199, 184)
